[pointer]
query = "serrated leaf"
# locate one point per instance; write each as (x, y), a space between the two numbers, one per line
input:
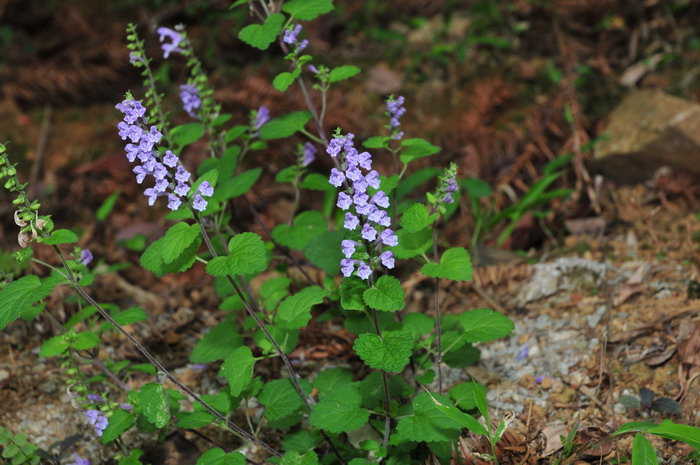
(304, 229)
(390, 353)
(217, 456)
(643, 452)
(283, 80)
(61, 236)
(306, 10)
(262, 35)
(217, 343)
(53, 346)
(127, 317)
(339, 411)
(152, 258)
(455, 264)
(20, 295)
(119, 421)
(419, 323)
(342, 72)
(297, 458)
(281, 399)
(324, 251)
(285, 125)
(413, 149)
(238, 370)
(186, 134)
(417, 217)
(376, 142)
(351, 290)
(412, 244)
(247, 254)
(154, 404)
(178, 238)
(316, 182)
(86, 340)
(463, 419)
(331, 378)
(193, 420)
(274, 290)
(484, 325)
(386, 295)
(237, 185)
(428, 423)
(463, 395)
(295, 311)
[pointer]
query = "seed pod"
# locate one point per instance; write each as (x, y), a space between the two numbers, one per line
(19, 221)
(23, 239)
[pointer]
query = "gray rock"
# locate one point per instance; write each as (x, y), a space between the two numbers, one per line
(563, 274)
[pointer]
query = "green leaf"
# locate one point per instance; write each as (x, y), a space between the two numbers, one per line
(19, 296)
(193, 420)
(274, 290)
(455, 264)
(211, 176)
(324, 251)
(412, 244)
(186, 134)
(237, 185)
(463, 395)
(281, 399)
(669, 430)
(342, 72)
(217, 343)
(154, 404)
(285, 125)
(477, 188)
(416, 217)
(643, 452)
(376, 142)
(152, 258)
(463, 419)
(304, 229)
(119, 421)
(331, 378)
(413, 149)
(428, 423)
(283, 80)
(297, 458)
(262, 35)
(178, 238)
(217, 456)
(86, 340)
(306, 10)
(387, 295)
(316, 182)
(107, 206)
(484, 325)
(351, 290)
(413, 181)
(339, 411)
(127, 317)
(61, 236)
(53, 346)
(238, 370)
(295, 311)
(233, 134)
(247, 254)
(390, 353)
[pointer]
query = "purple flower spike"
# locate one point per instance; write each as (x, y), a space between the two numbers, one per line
(206, 189)
(85, 259)
(344, 201)
(387, 259)
(199, 203)
(189, 95)
(364, 271)
(447, 199)
(368, 232)
(337, 177)
(351, 221)
(174, 202)
(347, 267)
(395, 110)
(173, 46)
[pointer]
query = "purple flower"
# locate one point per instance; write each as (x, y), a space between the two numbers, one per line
(199, 203)
(344, 201)
(161, 185)
(132, 152)
(451, 186)
(364, 271)
(447, 199)
(351, 221)
(389, 238)
(368, 232)
(134, 133)
(313, 69)
(262, 116)
(85, 259)
(347, 266)
(182, 174)
(387, 259)
(79, 460)
(348, 247)
(132, 110)
(174, 36)
(182, 189)
(304, 43)
(291, 35)
(353, 173)
(160, 171)
(372, 179)
(141, 173)
(523, 353)
(174, 202)
(127, 407)
(395, 111)
(337, 177)
(360, 185)
(364, 159)
(135, 58)
(189, 95)
(98, 420)
(94, 397)
(170, 159)
(539, 379)
(334, 147)
(205, 189)
(152, 195)
(309, 154)
(380, 199)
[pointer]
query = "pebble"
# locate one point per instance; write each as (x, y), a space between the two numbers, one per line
(546, 383)
(4, 375)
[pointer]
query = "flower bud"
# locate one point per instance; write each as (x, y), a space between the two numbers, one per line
(18, 221)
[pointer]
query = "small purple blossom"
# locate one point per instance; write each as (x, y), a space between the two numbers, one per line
(539, 379)
(199, 203)
(387, 259)
(182, 174)
(313, 69)
(447, 199)
(304, 43)
(309, 154)
(170, 159)
(372, 179)
(189, 95)
(351, 221)
(127, 407)
(523, 353)
(334, 147)
(78, 460)
(337, 177)
(368, 232)
(152, 195)
(347, 267)
(206, 189)
(262, 116)
(389, 238)
(344, 201)
(182, 189)
(174, 202)
(95, 397)
(85, 259)
(141, 173)
(161, 185)
(97, 419)
(169, 47)
(364, 271)
(348, 247)
(395, 110)
(380, 199)
(291, 36)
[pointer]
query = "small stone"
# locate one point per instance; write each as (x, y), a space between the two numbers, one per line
(4, 375)
(528, 382)
(546, 383)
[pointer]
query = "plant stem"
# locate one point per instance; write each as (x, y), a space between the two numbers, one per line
(385, 381)
(436, 304)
